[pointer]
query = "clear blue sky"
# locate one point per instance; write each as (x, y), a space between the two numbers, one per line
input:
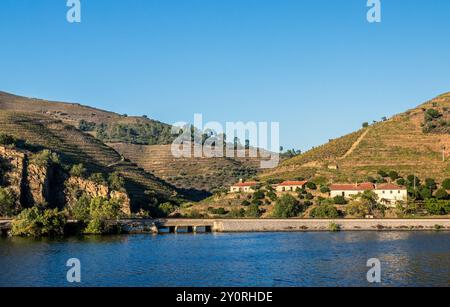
(316, 66)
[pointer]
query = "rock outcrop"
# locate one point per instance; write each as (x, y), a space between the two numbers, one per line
(33, 184)
(93, 189)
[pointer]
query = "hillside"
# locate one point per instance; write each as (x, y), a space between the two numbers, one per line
(196, 176)
(142, 141)
(409, 143)
(73, 146)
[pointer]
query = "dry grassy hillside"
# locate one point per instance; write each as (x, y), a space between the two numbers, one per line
(142, 141)
(403, 143)
(73, 146)
(202, 174)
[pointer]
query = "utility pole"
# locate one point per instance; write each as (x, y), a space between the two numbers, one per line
(443, 153)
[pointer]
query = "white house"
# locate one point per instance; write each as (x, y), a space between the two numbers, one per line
(388, 193)
(347, 190)
(243, 187)
(391, 194)
(290, 186)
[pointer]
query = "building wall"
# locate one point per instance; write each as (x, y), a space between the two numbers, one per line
(292, 188)
(344, 193)
(241, 189)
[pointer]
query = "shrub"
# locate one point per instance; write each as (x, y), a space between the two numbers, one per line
(286, 206)
(431, 114)
(253, 211)
(382, 173)
(78, 170)
(236, 213)
(259, 195)
(98, 178)
(324, 189)
(116, 181)
(446, 184)
(311, 185)
(401, 181)
(309, 196)
(339, 200)
(39, 222)
(45, 158)
(393, 175)
(334, 227)
(430, 183)
(324, 211)
(84, 125)
(6, 139)
(441, 194)
(80, 211)
(245, 203)
(437, 207)
(357, 209)
(7, 203)
(365, 124)
(166, 209)
(271, 195)
(218, 211)
(101, 211)
(371, 179)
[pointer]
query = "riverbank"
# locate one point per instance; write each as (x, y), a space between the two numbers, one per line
(282, 225)
(270, 225)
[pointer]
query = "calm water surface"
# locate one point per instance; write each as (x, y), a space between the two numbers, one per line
(246, 259)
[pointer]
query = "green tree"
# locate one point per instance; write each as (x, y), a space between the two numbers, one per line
(7, 203)
(446, 184)
(437, 207)
(311, 185)
(393, 175)
(116, 181)
(430, 183)
(324, 211)
(324, 189)
(382, 173)
(339, 200)
(401, 181)
(6, 139)
(45, 158)
(286, 206)
(365, 124)
(78, 170)
(98, 178)
(253, 211)
(101, 212)
(167, 208)
(441, 194)
(39, 222)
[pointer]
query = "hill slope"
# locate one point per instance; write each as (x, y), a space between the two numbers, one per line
(142, 141)
(74, 147)
(409, 143)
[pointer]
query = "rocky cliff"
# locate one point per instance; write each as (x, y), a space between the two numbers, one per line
(30, 183)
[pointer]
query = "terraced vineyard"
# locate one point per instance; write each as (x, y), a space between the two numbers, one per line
(73, 146)
(203, 174)
(399, 144)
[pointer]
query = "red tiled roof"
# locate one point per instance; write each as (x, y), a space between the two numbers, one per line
(389, 186)
(353, 187)
(293, 183)
(245, 184)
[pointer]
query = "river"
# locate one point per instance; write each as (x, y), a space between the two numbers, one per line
(230, 259)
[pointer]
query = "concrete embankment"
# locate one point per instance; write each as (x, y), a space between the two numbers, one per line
(271, 225)
(267, 225)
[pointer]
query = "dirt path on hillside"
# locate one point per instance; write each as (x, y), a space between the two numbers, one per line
(357, 142)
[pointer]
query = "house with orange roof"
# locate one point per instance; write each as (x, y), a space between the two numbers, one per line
(388, 193)
(243, 187)
(290, 186)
